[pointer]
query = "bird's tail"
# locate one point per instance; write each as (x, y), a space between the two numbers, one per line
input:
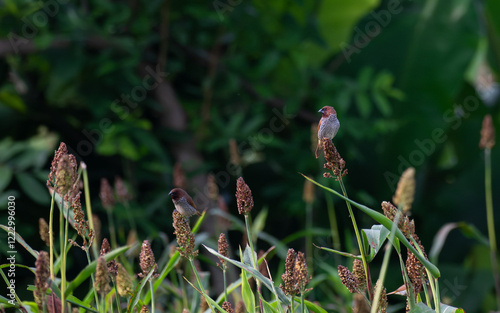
(318, 148)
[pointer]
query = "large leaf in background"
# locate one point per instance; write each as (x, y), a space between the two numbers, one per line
(34, 188)
(442, 45)
(334, 22)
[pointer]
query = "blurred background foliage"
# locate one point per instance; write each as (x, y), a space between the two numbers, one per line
(134, 87)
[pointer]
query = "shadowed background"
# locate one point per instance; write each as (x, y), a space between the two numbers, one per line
(232, 88)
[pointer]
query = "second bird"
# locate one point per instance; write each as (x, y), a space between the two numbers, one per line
(328, 126)
(183, 203)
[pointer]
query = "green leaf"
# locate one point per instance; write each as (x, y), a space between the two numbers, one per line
(467, 229)
(375, 238)
(311, 306)
(21, 241)
(259, 223)
(89, 269)
(449, 309)
(267, 307)
(363, 104)
(136, 295)
(247, 293)
(210, 300)
(10, 99)
(33, 188)
(349, 255)
(387, 224)
(265, 281)
(421, 308)
(382, 103)
(5, 176)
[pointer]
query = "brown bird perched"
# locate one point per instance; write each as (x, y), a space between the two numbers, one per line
(328, 126)
(183, 202)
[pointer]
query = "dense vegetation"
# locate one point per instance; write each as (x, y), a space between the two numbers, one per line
(197, 94)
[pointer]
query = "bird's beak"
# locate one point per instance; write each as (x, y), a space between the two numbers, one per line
(170, 193)
(321, 111)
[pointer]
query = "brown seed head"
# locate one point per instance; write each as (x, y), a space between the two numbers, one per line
(487, 133)
(405, 191)
(185, 238)
(124, 282)
(300, 272)
(102, 278)
(81, 225)
(244, 197)
(348, 279)
(44, 230)
(289, 285)
(359, 273)
(57, 158)
(334, 161)
(382, 303)
(66, 175)
(227, 307)
(404, 223)
(144, 309)
(106, 195)
(147, 260)
(415, 269)
(42, 273)
(121, 190)
(111, 265)
(223, 249)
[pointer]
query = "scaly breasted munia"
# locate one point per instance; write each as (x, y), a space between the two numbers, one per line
(328, 126)
(183, 202)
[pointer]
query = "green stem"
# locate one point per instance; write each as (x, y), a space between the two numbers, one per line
(152, 296)
(117, 296)
(51, 236)
(491, 222)
(302, 305)
(93, 281)
(88, 205)
(291, 303)
(198, 280)
(225, 282)
(63, 233)
(360, 244)
(385, 264)
(254, 261)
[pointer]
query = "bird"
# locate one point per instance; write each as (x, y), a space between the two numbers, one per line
(328, 126)
(183, 202)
